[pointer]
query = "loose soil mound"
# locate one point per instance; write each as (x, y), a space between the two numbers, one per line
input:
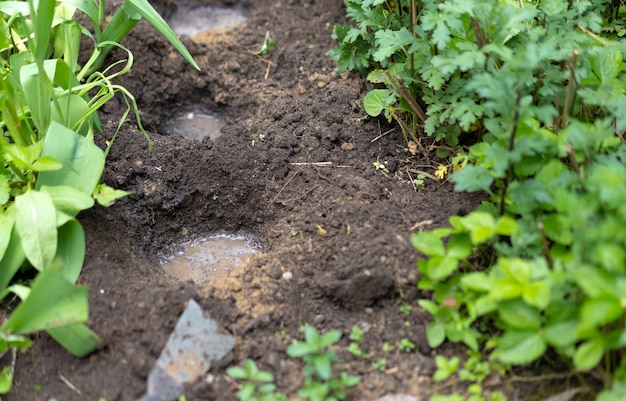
(294, 166)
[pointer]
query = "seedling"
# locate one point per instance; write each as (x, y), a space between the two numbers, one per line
(406, 345)
(268, 43)
(380, 364)
(380, 166)
(257, 385)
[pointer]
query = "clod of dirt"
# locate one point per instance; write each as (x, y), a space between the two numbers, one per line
(362, 289)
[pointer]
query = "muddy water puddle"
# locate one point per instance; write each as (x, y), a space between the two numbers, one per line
(193, 20)
(209, 258)
(195, 125)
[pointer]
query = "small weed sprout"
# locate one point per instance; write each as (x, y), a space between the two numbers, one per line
(381, 166)
(406, 345)
(380, 364)
(257, 385)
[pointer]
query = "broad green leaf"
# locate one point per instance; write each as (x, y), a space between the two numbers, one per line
(88, 7)
(82, 160)
(7, 222)
(472, 178)
(438, 268)
(5, 190)
(507, 225)
(506, 288)
(558, 228)
(594, 282)
(12, 260)
(600, 311)
(428, 243)
(68, 199)
(561, 334)
(518, 315)
(71, 249)
(589, 354)
(460, 246)
(72, 111)
(53, 302)
(6, 379)
(377, 100)
(537, 294)
(76, 338)
(329, 338)
(106, 195)
(520, 347)
(429, 306)
(323, 366)
(482, 227)
(46, 163)
(435, 334)
(477, 281)
(35, 222)
(516, 269)
(610, 256)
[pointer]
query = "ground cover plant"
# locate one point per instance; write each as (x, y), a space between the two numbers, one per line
(51, 166)
(525, 100)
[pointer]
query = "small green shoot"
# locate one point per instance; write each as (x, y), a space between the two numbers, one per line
(268, 43)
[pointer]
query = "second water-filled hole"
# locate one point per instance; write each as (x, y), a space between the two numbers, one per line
(195, 124)
(190, 20)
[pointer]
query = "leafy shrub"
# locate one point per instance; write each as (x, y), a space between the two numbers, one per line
(540, 88)
(51, 165)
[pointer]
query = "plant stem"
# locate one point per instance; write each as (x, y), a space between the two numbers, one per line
(505, 182)
(545, 245)
(570, 89)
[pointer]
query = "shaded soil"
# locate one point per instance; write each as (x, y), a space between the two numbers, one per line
(295, 167)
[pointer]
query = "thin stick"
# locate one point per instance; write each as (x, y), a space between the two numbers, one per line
(382, 135)
(570, 89)
(316, 164)
(432, 177)
(286, 183)
(399, 87)
(70, 385)
(411, 178)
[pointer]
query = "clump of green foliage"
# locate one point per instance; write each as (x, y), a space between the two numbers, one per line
(538, 89)
(51, 167)
(321, 382)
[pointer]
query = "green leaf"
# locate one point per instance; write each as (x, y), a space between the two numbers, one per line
(71, 249)
(482, 227)
(76, 338)
(82, 160)
(323, 366)
(520, 347)
(35, 222)
(68, 199)
(520, 316)
(12, 260)
(460, 246)
(472, 178)
(537, 294)
(561, 334)
(435, 334)
(146, 10)
(477, 281)
(6, 379)
(439, 268)
(106, 196)
(589, 354)
(594, 282)
(53, 302)
(600, 311)
(377, 100)
(507, 226)
(428, 243)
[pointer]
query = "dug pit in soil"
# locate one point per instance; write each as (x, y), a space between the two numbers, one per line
(193, 20)
(209, 258)
(195, 125)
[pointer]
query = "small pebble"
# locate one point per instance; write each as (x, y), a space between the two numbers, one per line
(369, 311)
(287, 275)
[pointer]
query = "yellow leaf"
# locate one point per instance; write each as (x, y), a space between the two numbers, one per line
(441, 171)
(321, 230)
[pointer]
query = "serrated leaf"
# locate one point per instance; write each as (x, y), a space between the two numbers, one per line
(520, 347)
(435, 334)
(601, 310)
(428, 243)
(520, 316)
(561, 334)
(460, 246)
(472, 178)
(589, 354)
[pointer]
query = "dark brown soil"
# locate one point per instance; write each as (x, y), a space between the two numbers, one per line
(341, 228)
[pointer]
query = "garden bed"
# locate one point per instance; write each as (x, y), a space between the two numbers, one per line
(294, 166)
